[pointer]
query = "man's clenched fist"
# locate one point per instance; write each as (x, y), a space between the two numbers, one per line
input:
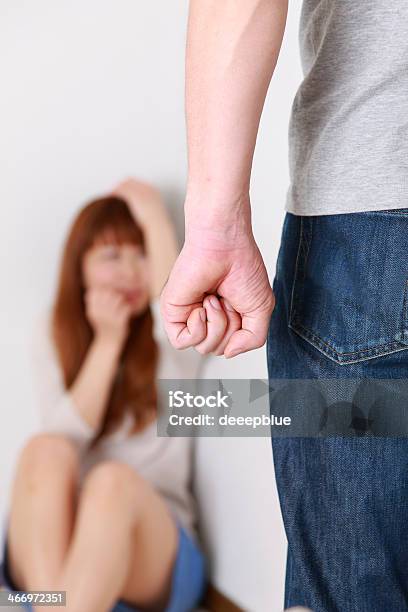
(217, 298)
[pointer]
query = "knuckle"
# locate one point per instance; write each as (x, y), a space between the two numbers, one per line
(179, 344)
(258, 342)
(203, 350)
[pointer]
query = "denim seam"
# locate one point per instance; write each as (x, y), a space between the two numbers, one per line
(296, 271)
(288, 586)
(318, 343)
(304, 244)
(359, 352)
(309, 242)
(404, 333)
(391, 211)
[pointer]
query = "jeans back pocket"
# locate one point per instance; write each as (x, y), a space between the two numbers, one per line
(350, 289)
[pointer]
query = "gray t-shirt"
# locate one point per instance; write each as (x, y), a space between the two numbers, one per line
(348, 131)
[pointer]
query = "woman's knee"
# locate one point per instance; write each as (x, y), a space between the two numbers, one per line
(48, 451)
(113, 480)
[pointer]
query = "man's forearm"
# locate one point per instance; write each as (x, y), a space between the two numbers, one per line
(232, 49)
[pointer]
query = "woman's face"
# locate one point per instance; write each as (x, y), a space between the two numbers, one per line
(119, 267)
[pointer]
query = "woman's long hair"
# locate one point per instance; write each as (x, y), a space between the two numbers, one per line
(134, 388)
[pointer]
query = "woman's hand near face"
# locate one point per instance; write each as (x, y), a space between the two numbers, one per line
(108, 313)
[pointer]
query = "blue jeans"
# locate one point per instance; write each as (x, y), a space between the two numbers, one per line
(341, 288)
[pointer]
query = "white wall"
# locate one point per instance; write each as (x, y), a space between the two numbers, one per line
(92, 92)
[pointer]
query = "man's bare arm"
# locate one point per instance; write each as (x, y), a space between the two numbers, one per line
(232, 49)
(218, 297)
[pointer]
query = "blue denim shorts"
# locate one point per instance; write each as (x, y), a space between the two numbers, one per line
(189, 579)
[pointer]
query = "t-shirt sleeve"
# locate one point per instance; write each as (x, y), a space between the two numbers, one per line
(55, 406)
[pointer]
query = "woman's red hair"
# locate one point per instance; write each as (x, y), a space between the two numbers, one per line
(134, 388)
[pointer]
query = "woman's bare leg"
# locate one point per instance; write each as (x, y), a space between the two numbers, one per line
(121, 544)
(124, 543)
(42, 510)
